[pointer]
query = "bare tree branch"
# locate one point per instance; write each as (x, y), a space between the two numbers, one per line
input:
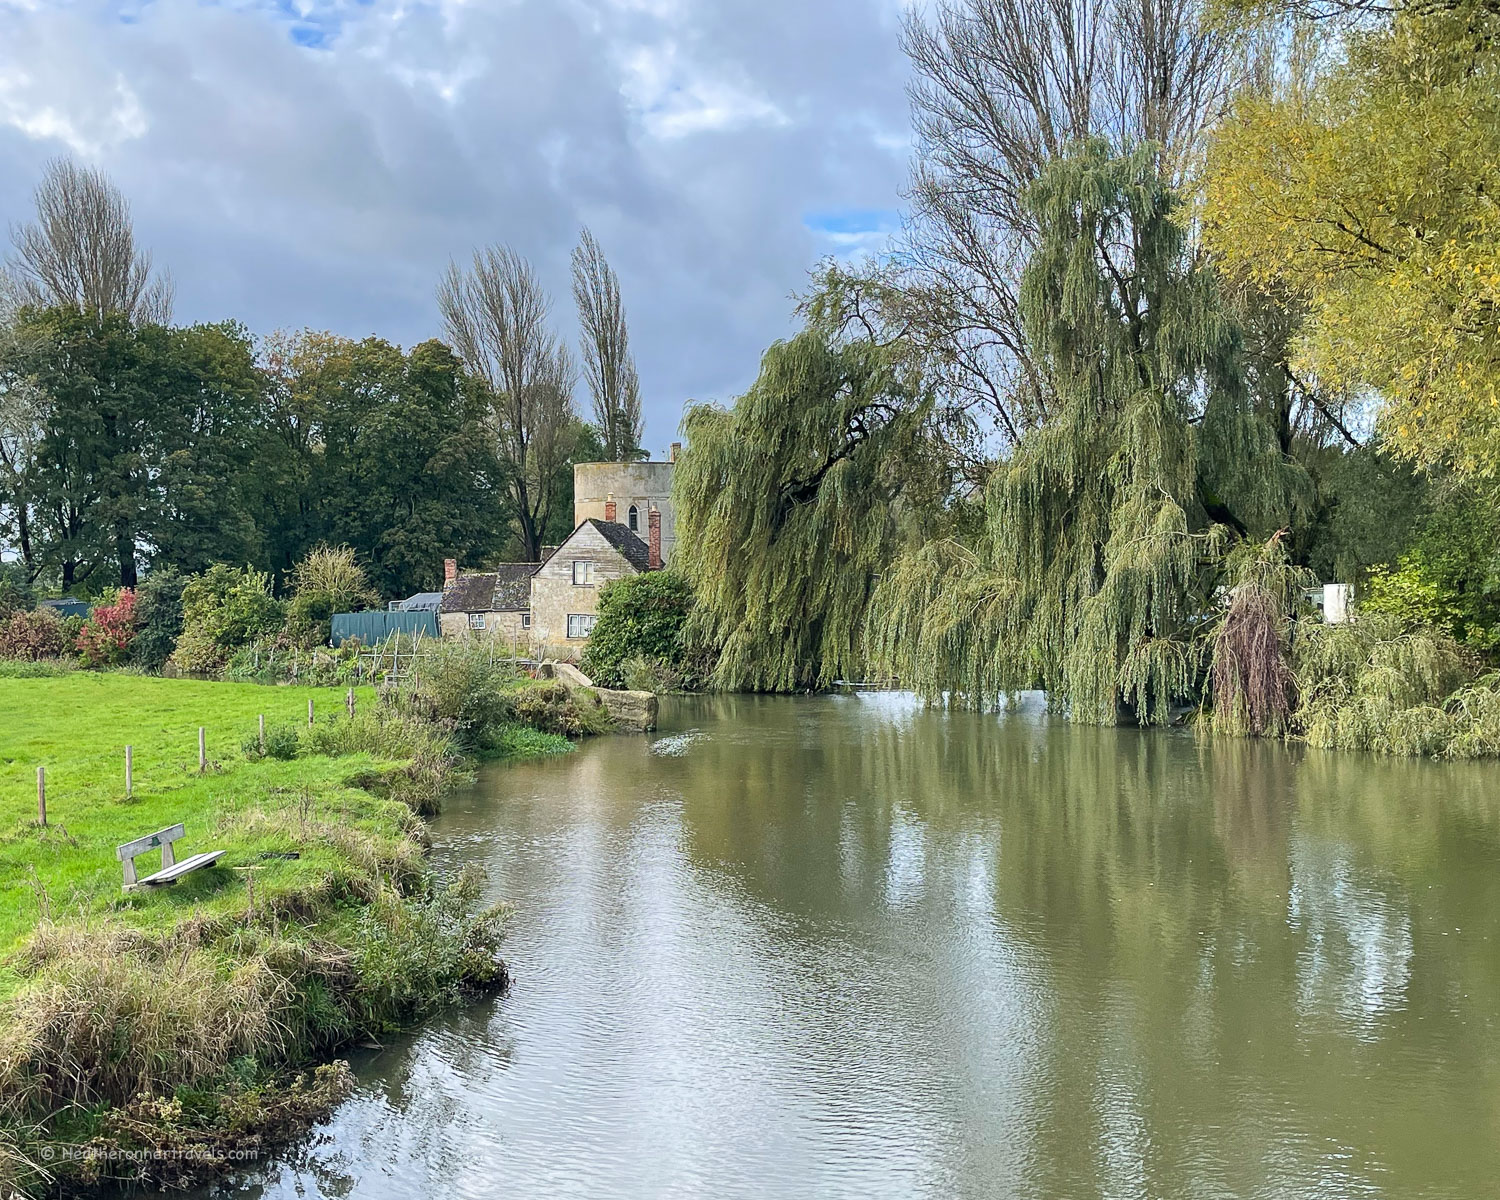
(608, 366)
(81, 250)
(1002, 86)
(497, 318)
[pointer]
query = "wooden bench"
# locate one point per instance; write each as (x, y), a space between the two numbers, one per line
(171, 870)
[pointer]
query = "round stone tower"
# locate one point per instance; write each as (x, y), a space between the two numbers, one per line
(633, 488)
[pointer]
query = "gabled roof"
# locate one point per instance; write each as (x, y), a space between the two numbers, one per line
(636, 552)
(505, 589)
(421, 602)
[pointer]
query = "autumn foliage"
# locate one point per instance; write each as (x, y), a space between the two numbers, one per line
(104, 640)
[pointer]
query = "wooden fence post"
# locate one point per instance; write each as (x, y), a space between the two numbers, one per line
(262, 733)
(129, 763)
(309, 710)
(202, 750)
(41, 797)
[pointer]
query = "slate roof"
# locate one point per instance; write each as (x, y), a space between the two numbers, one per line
(636, 552)
(505, 589)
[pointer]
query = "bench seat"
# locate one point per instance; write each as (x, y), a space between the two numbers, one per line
(188, 865)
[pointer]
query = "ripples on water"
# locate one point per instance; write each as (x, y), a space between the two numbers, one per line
(849, 947)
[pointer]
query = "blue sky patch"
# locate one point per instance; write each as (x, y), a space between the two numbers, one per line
(853, 221)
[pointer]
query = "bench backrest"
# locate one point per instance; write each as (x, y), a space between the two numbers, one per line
(162, 837)
(152, 841)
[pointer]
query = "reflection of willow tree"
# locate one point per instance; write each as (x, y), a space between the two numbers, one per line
(1178, 986)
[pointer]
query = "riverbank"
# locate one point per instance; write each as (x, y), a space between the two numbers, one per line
(162, 1034)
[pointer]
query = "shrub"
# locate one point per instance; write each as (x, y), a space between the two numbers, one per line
(415, 955)
(33, 636)
(551, 708)
(1450, 578)
(642, 674)
(459, 686)
(641, 616)
(106, 637)
(158, 618)
(223, 609)
(329, 580)
(1373, 684)
(282, 742)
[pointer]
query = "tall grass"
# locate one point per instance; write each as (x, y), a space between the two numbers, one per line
(113, 1019)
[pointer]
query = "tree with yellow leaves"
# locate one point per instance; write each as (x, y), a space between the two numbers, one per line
(1371, 196)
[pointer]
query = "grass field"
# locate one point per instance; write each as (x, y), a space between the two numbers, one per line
(321, 924)
(78, 725)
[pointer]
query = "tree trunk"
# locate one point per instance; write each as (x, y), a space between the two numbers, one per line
(125, 547)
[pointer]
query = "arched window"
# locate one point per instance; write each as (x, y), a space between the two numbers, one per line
(635, 519)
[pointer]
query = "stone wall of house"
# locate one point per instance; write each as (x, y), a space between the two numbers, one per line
(641, 484)
(503, 626)
(554, 595)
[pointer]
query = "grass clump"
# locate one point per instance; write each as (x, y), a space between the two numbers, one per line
(522, 741)
(281, 742)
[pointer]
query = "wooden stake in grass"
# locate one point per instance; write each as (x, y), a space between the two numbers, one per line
(350, 701)
(129, 773)
(262, 733)
(41, 797)
(309, 710)
(202, 750)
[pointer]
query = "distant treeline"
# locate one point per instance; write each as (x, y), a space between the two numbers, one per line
(128, 444)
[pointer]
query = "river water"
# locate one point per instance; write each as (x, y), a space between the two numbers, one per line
(846, 946)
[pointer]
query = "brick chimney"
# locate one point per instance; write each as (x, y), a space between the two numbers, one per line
(450, 570)
(676, 450)
(609, 508)
(653, 539)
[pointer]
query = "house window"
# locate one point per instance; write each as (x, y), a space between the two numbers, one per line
(476, 620)
(635, 519)
(525, 620)
(580, 625)
(583, 573)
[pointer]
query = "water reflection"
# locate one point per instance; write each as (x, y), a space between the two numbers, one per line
(847, 946)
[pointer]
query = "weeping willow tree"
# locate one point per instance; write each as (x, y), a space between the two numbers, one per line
(788, 508)
(1105, 530)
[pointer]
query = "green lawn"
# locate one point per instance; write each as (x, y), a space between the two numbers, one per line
(261, 812)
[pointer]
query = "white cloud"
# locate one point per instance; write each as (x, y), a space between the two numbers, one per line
(320, 163)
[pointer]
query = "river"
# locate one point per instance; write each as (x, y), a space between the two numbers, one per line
(846, 946)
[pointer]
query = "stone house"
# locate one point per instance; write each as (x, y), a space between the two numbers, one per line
(623, 525)
(565, 590)
(493, 603)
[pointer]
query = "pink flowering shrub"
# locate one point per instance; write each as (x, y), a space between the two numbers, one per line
(105, 639)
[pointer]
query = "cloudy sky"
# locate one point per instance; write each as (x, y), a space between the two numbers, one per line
(317, 162)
